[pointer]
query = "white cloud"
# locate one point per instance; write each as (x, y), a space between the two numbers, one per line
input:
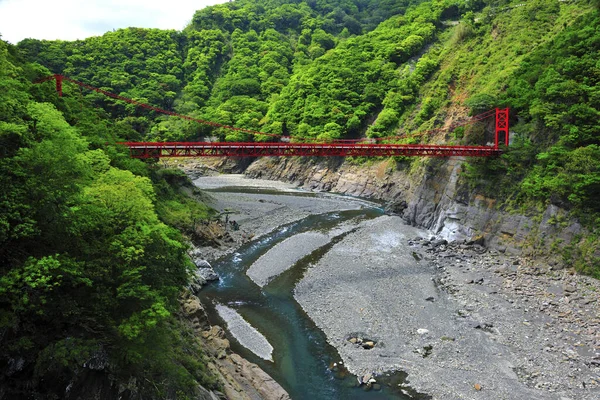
(78, 19)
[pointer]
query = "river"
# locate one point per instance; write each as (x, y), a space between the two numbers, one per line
(317, 271)
(298, 228)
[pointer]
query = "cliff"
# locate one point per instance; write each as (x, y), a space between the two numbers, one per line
(433, 195)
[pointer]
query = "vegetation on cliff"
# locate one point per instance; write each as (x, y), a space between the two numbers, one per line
(90, 274)
(335, 69)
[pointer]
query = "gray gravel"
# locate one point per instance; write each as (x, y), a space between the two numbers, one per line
(450, 335)
(245, 333)
(287, 253)
(259, 213)
(239, 180)
(455, 317)
(284, 255)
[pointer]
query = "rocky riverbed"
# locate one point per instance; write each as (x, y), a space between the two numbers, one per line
(463, 321)
(549, 318)
(259, 213)
(239, 378)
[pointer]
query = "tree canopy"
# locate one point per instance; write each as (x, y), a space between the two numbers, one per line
(329, 69)
(90, 273)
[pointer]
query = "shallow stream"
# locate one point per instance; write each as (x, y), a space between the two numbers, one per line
(302, 358)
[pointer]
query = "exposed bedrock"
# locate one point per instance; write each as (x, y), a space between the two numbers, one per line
(240, 379)
(430, 195)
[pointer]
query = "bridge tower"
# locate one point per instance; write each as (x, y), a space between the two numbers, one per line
(501, 125)
(59, 81)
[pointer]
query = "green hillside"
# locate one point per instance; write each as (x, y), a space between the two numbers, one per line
(90, 272)
(336, 69)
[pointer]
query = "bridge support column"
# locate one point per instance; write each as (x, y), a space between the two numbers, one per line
(502, 125)
(59, 80)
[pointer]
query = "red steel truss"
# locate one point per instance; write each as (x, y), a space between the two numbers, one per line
(339, 148)
(219, 149)
(502, 124)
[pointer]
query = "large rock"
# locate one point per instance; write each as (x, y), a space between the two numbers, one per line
(193, 310)
(201, 263)
(208, 274)
(204, 274)
(217, 344)
(240, 379)
(195, 253)
(396, 207)
(204, 394)
(266, 386)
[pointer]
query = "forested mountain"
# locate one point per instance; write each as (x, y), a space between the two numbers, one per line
(90, 272)
(335, 69)
(86, 233)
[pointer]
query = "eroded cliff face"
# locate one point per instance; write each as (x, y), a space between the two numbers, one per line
(431, 195)
(239, 378)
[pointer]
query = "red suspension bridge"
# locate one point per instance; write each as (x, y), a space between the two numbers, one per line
(286, 147)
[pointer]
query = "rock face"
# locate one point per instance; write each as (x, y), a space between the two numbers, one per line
(240, 379)
(193, 311)
(204, 274)
(429, 195)
(266, 387)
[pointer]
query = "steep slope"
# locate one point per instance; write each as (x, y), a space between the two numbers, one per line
(86, 308)
(540, 59)
(338, 69)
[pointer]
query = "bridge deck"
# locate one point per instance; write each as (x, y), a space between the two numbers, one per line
(226, 149)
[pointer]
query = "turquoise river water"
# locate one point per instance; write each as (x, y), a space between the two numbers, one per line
(302, 358)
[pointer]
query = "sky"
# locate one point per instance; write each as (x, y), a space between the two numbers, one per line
(79, 19)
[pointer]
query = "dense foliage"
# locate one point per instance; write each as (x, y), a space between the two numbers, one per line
(330, 69)
(237, 58)
(90, 274)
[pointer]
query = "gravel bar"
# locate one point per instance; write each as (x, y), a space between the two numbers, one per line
(245, 333)
(284, 255)
(456, 336)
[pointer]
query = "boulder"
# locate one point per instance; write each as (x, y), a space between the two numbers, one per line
(368, 345)
(438, 242)
(208, 274)
(201, 263)
(478, 240)
(366, 378)
(217, 344)
(569, 288)
(266, 386)
(201, 276)
(196, 283)
(192, 310)
(195, 253)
